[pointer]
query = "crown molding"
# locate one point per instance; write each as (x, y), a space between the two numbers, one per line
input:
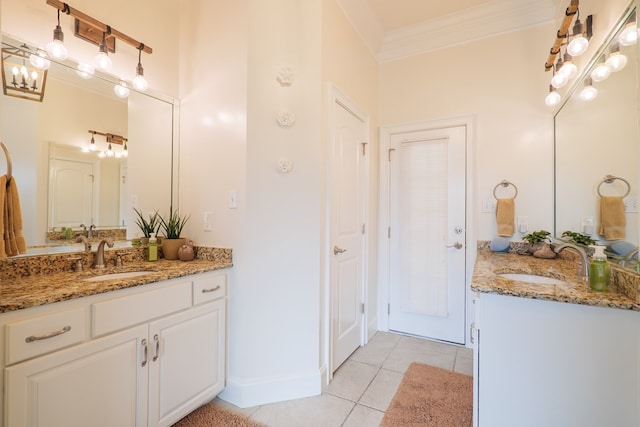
(487, 20)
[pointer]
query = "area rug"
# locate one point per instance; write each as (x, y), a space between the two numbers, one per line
(211, 415)
(431, 397)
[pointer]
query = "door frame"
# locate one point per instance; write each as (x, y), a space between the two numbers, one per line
(337, 97)
(386, 132)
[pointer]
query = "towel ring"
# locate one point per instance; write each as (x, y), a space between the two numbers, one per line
(505, 184)
(608, 179)
(8, 156)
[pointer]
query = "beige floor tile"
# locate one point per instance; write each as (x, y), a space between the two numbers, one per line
(465, 352)
(463, 366)
(361, 416)
(428, 345)
(351, 380)
(318, 411)
(247, 412)
(382, 389)
(377, 349)
(401, 357)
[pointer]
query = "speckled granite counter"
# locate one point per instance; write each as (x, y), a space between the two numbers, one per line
(34, 281)
(489, 264)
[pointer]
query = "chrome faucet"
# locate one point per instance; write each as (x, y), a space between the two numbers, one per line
(98, 259)
(585, 261)
(87, 244)
(90, 233)
(630, 256)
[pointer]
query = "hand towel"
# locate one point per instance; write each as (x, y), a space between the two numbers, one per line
(612, 218)
(17, 244)
(505, 217)
(4, 216)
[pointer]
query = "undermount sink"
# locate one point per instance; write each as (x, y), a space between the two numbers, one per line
(114, 276)
(531, 278)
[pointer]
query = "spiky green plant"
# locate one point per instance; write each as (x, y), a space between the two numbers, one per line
(173, 224)
(152, 225)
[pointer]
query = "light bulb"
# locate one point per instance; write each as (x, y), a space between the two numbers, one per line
(103, 61)
(102, 155)
(616, 61)
(578, 46)
(55, 48)
(629, 35)
(568, 67)
(559, 80)
(121, 90)
(39, 61)
(92, 145)
(601, 72)
(140, 83)
(85, 71)
(588, 92)
(552, 98)
(109, 151)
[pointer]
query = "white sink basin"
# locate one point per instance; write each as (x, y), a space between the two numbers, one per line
(531, 278)
(114, 276)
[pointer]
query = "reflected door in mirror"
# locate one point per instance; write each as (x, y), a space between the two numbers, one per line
(71, 197)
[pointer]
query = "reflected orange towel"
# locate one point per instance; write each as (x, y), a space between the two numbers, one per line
(612, 218)
(17, 244)
(505, 217)
(4, 217)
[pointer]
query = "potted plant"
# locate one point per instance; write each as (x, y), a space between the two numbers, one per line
(172, 226)
(539, 244)
(147, 226)
(579, 238)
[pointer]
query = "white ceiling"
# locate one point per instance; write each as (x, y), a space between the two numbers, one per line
(394, 29)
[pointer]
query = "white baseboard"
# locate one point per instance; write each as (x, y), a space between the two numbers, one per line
(245, 394)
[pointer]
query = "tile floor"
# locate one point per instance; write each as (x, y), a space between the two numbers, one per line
(363, 386)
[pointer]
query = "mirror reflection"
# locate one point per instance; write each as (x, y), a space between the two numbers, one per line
(64, 184)
(597, 153)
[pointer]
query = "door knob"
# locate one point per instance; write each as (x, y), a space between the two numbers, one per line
(456, 245)
(337, 250)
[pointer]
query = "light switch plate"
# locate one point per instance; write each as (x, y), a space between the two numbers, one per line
(207, 221)
(488, 206)
(233, 199)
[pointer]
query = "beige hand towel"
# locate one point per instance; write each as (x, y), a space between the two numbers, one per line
(505, 217)
(612, 218)
(3, 217)
(17, 244)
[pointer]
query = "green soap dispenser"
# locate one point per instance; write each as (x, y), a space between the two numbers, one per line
(152, 248)
(599, 270)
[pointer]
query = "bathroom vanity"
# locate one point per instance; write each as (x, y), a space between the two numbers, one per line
(552, 355)
(140, 349)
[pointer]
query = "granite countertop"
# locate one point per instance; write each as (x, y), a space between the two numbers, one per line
(24, 292)
(489, 264)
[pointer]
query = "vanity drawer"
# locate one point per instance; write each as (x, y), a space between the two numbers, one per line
(119, 313)
(209, 288)
(44, 334)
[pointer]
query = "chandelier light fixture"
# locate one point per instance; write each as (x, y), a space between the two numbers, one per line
(20, 77)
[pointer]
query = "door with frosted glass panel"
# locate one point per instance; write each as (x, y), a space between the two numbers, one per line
(427, 233)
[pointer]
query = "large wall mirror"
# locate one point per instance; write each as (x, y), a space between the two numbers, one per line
(61, 183)
(597, 146)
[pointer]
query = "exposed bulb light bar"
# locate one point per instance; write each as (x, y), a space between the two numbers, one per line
(601, 71)
(553, 98)
(139, 82)
(588, 92)
(102, 60)
(56, 48)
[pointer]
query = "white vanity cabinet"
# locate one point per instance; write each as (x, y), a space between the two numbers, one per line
(553, 364)
(144, 356)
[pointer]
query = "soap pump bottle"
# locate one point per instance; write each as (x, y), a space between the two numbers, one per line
(599, 270)
(152, 248)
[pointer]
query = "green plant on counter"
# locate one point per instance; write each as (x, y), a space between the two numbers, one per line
(173, 224)
(152, 225)
(579, 238)
(537, 237)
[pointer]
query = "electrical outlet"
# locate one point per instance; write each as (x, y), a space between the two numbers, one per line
(488, 206)
(631, 205)
(523, 224)
(587, 225)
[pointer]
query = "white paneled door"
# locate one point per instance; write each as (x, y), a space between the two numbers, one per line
(427, 233)
(347, 233)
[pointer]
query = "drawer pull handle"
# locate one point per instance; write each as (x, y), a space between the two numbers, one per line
(33, 338)
(204, 291)
(145, 350)
(157, 340)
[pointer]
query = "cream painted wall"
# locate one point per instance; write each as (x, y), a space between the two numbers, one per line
(501, 81)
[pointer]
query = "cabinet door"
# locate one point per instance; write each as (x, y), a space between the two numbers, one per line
(187, 365)
(94, 384)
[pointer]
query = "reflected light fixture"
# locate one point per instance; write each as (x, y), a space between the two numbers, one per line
(588, 92)
(92, 144)
(110, 139)
(85, 71)
(568, 67)
(579, 38)
(601, 71)
(139, 82)
(56, 48)
(20, 78)
(39, 60)
(109, 152)
(121, 90)
(616, 60)
(559, 78)
(102, 60)
(629, 35)
(552, 98)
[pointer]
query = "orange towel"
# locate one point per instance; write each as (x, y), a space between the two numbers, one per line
(505, 217)
(612, 218)
(13, 226)
(3, 217)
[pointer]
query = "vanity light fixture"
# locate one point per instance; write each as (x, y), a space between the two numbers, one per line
(121, 90)
(629, 35)
(588, 92)
(559, 78)
(616, 60)
(579, 37)
(110, 139)
(568, 67)
(553, 97)
(139, 82)
(56, 48)
(102, 60)
(601, 71)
